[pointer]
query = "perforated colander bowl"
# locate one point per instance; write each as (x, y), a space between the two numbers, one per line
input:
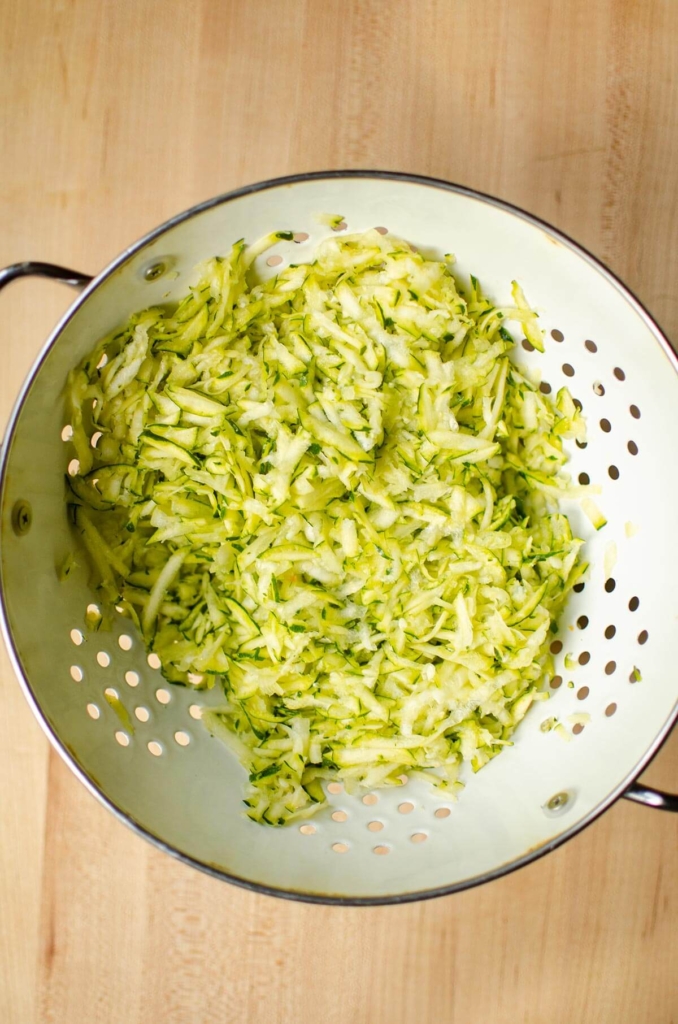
(138, 744)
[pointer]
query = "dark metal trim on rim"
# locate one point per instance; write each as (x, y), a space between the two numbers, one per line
(69, 758)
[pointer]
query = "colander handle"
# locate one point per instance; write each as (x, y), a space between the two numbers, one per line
(31, 269)
(656, 798)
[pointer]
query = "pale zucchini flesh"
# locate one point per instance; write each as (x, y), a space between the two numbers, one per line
(334, 496)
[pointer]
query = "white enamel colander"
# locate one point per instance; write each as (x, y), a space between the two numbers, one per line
(155, 765)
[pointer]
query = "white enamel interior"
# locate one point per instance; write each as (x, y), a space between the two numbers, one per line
(190, 796)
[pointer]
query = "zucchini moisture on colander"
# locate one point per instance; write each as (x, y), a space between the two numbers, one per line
(334, 496)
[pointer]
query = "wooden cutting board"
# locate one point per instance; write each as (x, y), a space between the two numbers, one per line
(114, 117)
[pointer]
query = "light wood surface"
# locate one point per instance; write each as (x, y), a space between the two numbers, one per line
(117, 115)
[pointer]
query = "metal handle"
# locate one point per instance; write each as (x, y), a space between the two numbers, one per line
(28, 269)
(652, 797)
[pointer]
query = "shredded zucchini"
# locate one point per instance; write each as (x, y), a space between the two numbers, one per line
(335, 496)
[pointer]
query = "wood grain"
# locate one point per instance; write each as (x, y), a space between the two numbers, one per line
(116, 116)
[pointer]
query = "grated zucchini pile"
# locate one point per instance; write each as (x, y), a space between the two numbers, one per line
(335, 496)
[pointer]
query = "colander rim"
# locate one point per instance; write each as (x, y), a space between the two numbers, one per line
(70, 758)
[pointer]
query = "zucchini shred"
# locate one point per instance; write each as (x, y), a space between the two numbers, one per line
(335, 496)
